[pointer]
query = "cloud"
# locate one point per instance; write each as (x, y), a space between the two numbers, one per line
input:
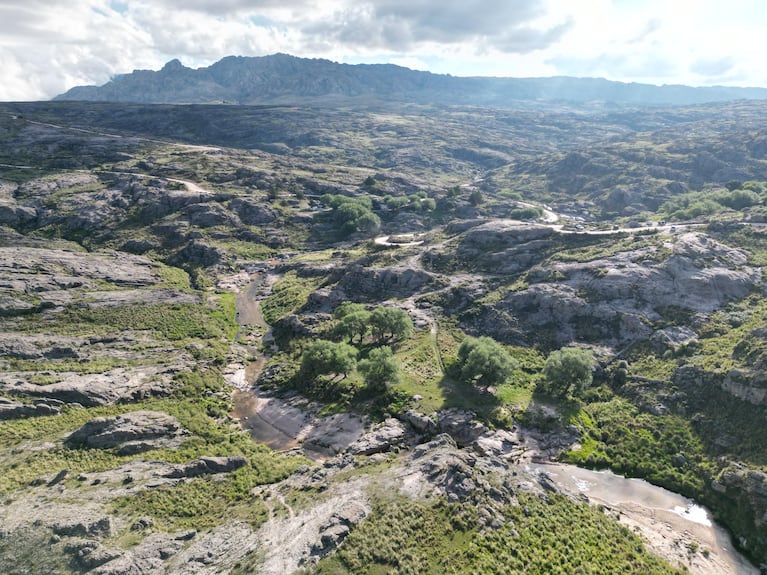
(716, 68)
(48, 46)
(398, 25)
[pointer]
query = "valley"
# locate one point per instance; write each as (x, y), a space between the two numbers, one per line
(167, 272)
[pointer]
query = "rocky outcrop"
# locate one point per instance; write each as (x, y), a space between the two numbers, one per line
(504, 246)
(10, 409)
(744, 384)
(208, 215)
(151, 555)
(386, 436)
(97, 527)
(198, 253)
(461, 425)
(252, 212)
(616, 299)
(39, 270)
(420, 423)
(340, 524)
(747, 489)
(89, 554)
(129, 433)
(113, 386)
(366, 283)
(208, 466)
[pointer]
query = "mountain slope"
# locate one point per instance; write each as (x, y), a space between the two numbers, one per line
(281, 78)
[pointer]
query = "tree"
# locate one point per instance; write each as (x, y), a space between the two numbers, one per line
(390, 323)
(380, 368)
(476, 197)
(353, 324)
(568, 371)
(346, 308)
(485, 362)
(322, 357)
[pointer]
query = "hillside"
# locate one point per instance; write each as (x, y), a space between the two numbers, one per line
(266, 339)
(284, 79)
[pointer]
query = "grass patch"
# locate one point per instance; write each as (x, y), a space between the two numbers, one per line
(665, 449)
(288, 295)
(540, 536)
(173, 322)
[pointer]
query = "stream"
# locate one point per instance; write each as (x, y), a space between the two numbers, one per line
(284, 423)
(675, 527)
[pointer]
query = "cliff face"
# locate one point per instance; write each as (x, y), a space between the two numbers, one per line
(281, 78)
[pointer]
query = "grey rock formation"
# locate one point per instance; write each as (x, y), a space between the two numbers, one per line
(252, 212)
(504, 247)
(148, 557)
(611, 299)
(335, 530)
(385, 436)
(208, 466)
(461, 425)
(89, 553)
(420, 422)
(98, 388)
(98, 527)
(129, 433)
(364, 283)
(10, 409)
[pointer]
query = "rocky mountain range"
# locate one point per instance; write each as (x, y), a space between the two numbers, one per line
(285, 79)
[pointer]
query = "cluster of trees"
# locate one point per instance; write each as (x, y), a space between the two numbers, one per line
(484, 362)
(354, 322)
(385, 324)
(526, 213)
(418, 202)
(735, 196)
(351, 215)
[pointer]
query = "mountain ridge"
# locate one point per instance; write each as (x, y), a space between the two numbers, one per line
(285, 79)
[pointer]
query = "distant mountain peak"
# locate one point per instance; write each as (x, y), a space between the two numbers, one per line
(174, 66)
(285, 79)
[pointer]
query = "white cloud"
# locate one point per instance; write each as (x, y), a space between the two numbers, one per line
(47, 46)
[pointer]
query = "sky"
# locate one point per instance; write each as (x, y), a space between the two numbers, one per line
(49, 46)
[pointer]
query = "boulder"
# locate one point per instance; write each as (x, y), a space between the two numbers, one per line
(335, 530)
(420, 422)
(10, 409)
(98, 527)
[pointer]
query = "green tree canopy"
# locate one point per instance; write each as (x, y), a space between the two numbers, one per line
(485, 362)
(390, 323)
(568, 371)
(351, 325)
(352, 214)
(322, 357)
(380, 368)
(346, 308)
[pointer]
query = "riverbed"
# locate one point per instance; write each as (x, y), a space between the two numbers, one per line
(280, 423)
